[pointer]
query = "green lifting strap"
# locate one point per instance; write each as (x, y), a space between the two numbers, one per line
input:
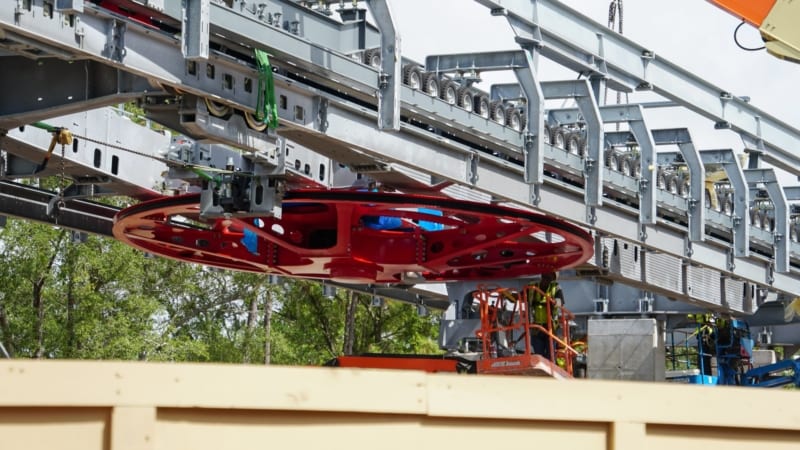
(266, 108)
(45, 126)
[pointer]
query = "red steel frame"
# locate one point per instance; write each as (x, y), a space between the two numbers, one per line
(325, 234)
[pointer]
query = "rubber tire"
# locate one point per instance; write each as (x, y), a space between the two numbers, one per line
(431, 85)
(497, 111)
(573, 143)
(449, 91)
(683, 188)
(513, 119)
(612, 162)
(727, 205)
(465, 98)
(546, 135)
(558, 138)
(673, 184)
(481, 104)
(218, 109)
(756, 220)
(625, 165)
(372, 57)
(412, 76)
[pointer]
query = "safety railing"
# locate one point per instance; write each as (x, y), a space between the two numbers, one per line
(506, 322)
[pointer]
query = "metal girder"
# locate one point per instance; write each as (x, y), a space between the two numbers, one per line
(741, 230)
(158, 57)
(634, 117)
(30, 203)
(390, 75)
(195, 28)
(780, 234)
(695, 204)
(477, 62)
(50, 87)
(350, 128)
(345, 36)
(578, 42)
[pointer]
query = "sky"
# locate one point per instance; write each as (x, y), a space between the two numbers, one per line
(693, 34)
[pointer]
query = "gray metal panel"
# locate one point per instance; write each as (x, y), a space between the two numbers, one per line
(734, 291)
(664, 271)
(625, 349)
(625, 259)
(703, 284)
(136, 174)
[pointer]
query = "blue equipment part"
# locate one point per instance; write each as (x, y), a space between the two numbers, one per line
(774, 375)
(382, 222)
(250, 241)
(395, 223)
(430, 226)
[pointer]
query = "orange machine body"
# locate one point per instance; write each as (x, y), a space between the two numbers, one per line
(751, 11)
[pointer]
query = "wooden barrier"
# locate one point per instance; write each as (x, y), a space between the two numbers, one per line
(125, 406)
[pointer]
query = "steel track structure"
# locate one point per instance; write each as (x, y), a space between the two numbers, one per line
(67, 58)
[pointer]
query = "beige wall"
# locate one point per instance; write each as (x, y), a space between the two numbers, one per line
(92, 405)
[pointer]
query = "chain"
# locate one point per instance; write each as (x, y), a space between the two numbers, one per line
(125, 149)
(615, 21)
(166, 161)
(62, 184)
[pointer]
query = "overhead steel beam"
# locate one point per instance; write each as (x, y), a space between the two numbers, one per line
(349, 128)
(27, 202)
(50, 87)
(567, 36)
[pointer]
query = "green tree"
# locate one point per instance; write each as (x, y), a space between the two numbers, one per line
(100, 299)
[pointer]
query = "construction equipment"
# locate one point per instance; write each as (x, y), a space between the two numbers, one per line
(728, 341)
(776, 20)
(501, 345)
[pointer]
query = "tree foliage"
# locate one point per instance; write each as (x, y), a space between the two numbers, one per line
(100, 299)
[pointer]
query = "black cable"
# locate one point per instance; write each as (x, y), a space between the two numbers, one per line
(736, 39)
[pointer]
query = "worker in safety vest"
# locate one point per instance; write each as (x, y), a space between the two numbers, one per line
(548, 289)
(706, 335)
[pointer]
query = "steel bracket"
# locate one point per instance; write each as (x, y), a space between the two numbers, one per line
(741, 230)
(695, 203)
(780, 234)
